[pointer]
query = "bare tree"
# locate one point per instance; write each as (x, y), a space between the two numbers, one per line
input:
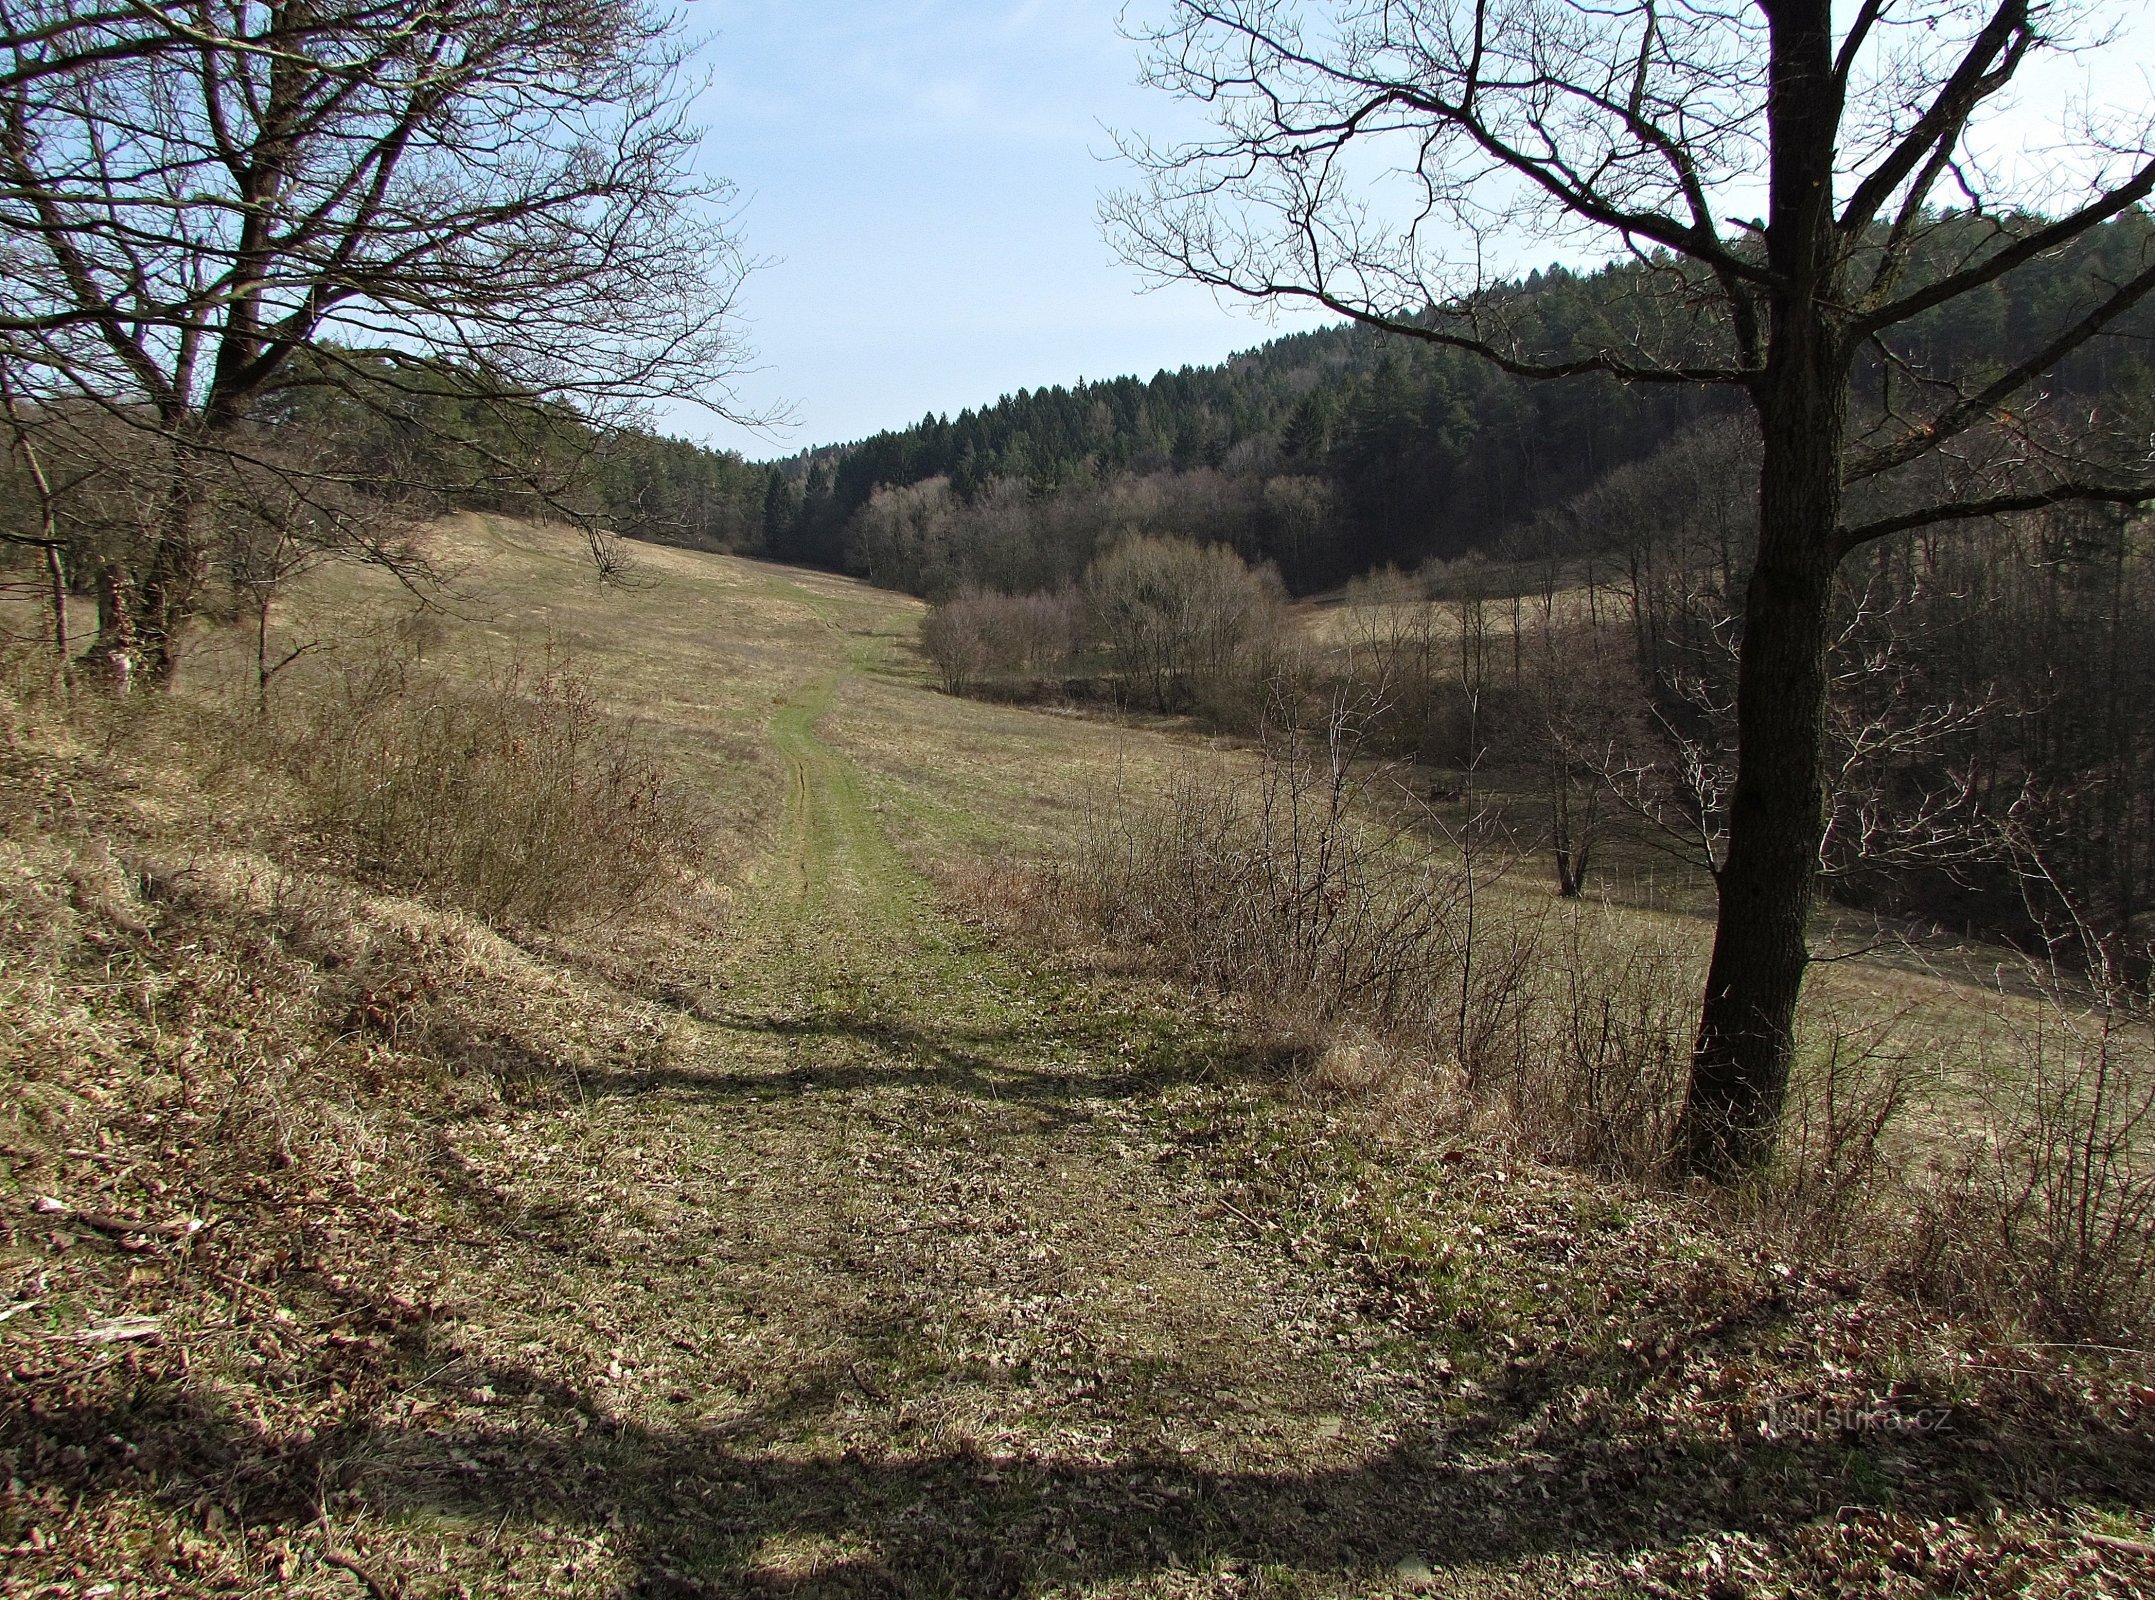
(1176, 619)
(1580, 688)
(1375, 158)
(43, 533)
(205, 201)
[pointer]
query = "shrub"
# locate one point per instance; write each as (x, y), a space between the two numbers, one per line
(1835, 1188)
(979, 638)
(1180, 622)
(1312, 888)
(1599, 1079)
(1389, 954)
(2046, 1217)
(1279, 886)
(520, 800)
(952, 635)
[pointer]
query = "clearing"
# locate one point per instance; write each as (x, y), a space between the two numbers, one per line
(828, 1246)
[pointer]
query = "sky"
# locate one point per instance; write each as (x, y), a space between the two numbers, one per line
(921, 177)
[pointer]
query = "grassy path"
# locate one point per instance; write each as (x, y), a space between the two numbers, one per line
(900, 1267)
(890, 1276)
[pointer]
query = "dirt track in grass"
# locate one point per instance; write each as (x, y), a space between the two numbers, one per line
(850, 1251)
(899, 1285)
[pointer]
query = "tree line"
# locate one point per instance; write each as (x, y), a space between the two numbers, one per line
(1336, 452)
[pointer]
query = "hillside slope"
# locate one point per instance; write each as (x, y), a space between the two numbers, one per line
(799, 1237)
(1340, 450)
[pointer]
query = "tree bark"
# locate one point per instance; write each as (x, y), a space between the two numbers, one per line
(166, 599)
(114, 652)
(56, 593)
(1746, 1038)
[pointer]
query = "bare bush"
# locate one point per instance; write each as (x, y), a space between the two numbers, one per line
(1837, 1186)
(1182, 623)
(953, 637)
(1391, 953)
(1284, 885)
(2046, 1218)
(1318, 890)
(521, 800)
(979, 639)
(1598, 1082)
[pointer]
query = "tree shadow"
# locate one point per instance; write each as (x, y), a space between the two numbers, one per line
(737, 1508)
(842, 1050)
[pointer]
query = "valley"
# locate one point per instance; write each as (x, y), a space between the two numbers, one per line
(811, 1233)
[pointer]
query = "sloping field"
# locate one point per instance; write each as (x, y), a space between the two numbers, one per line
(798, 1238)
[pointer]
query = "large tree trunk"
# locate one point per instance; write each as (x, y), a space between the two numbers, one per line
(172, 581)
(1746, 1039)
(1746, 1036)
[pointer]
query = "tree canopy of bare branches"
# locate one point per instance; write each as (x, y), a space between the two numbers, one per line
(204, 201)
(1802, 188)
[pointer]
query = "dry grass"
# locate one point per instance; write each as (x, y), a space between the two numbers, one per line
(785, 1235)
(517, 798)
(225, 1081)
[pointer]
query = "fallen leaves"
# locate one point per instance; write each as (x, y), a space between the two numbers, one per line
(905, 1280)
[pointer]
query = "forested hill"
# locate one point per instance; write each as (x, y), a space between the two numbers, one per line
(1330, 452)
(1402, 452)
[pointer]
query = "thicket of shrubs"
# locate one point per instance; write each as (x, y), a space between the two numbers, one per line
(520, 799)
(517, 796)
(1163, 624)
(1562, 1028)
(980, 640)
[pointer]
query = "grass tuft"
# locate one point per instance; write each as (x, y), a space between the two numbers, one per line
(518, 798)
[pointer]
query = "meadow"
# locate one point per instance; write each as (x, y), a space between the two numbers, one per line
(847, 1210)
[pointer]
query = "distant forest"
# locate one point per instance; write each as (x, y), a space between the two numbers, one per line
(1325, 455)
(1336, 452)
(460, 445)
(1328, 454)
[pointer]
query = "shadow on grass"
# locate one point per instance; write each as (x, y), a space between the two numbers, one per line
(1058, 1071)
(729, 1511)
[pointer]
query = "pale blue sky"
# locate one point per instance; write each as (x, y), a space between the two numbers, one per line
(923, 177)
(925, 173)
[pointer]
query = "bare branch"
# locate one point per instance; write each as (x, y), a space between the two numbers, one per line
(1984, 67)
(1998, 505)
(1966, 412)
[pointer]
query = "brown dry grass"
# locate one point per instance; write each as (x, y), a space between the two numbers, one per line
(793, 1236)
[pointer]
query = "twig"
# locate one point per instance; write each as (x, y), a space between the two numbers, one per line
(242, 1283)
(2110, 1541)
(348, 1562)
(105, 1156)
(2053, 1344)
